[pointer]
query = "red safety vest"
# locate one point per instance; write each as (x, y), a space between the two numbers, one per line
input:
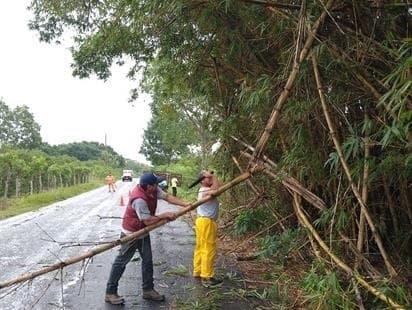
(131, 221)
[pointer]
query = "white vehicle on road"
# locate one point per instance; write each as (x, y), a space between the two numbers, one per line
(127, 175)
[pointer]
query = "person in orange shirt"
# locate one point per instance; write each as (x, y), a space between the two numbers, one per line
(110, 181)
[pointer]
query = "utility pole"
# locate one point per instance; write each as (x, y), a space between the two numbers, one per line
(105, 139)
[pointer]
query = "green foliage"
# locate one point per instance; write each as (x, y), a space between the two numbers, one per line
(35, 171)
(179, 270)
(189, 167)
(18, 127)
(324, 290)
(85, 151)
(211, 301)
(16, 206)
(217, 68)
(249, 220)
(399, 82)
(395, 291)
(280, 246)
(337, 216)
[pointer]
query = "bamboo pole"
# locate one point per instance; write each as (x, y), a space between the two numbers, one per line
(346, 169)
(304, 220)
(289, 84)
(249, 182)
(362, 227)
(105, 247)
(293, 185)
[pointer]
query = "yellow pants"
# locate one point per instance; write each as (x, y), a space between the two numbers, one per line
(205, 250)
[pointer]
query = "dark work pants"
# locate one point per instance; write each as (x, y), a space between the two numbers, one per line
(126, 253)
(174, 191)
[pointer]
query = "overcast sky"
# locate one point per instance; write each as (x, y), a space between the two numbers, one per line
(68, 109)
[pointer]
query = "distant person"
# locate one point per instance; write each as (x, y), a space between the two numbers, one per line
(110, 181)
(174, 182)
(206, 231)
(140, 212)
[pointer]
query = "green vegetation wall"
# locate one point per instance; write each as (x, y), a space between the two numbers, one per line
(220, 66)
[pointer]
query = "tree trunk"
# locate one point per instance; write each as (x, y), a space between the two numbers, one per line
(17, 187)
(40, 184)
(31, 186)
(6, 183)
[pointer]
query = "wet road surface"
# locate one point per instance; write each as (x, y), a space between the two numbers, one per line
(36, 239)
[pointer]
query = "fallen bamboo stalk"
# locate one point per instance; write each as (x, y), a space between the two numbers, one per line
(288, 181)
(105, 247)
(346, 169)
(293, 185)
(251, 185)
(289, 84)
(305, 222)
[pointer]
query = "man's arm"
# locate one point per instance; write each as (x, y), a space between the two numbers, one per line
(143, 212)
(170, 216)
(176, 201)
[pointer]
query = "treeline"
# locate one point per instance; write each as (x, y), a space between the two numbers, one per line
(322, 87)
(27, 165)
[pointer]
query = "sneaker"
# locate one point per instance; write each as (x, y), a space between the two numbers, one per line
(114, 299)
(153, 295)
(211, 282)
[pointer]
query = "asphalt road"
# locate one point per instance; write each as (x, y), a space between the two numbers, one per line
(36, 239)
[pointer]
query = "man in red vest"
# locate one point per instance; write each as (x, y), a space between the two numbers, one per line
(140, 212)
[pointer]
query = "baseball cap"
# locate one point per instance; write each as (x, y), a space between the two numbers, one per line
(149, 178)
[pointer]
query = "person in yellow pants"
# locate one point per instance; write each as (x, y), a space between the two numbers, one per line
(206, 232)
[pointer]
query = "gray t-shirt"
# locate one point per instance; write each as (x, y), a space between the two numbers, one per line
(210, 208)
(142, 209)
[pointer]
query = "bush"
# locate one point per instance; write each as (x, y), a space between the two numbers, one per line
(249, 220)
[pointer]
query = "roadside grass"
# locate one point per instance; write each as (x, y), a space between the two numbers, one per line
(15, 206)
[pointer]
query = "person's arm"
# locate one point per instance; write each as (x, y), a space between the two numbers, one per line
(143, 212)
(176, 201)
(170, 216)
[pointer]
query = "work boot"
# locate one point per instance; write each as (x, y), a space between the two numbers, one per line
(211, 282)
(114, 299)
(153, 295)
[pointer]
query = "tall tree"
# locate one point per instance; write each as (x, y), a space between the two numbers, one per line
(26, 129)
(6, 122)
(19, 127)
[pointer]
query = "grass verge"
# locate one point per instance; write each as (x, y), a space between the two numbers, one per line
(15, 206)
